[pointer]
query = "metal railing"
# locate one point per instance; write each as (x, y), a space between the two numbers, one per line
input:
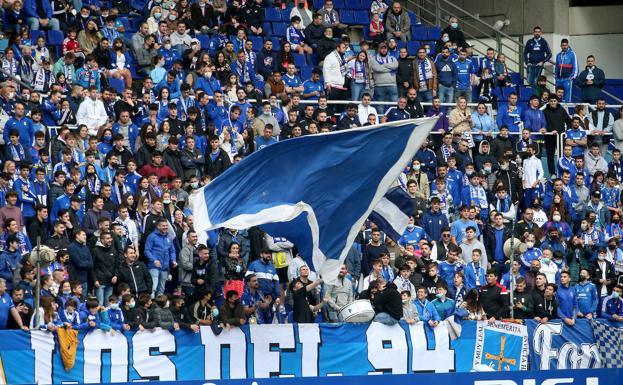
(430, 12)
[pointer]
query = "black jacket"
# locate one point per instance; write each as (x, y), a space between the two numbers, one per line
(388, 301)
(557, 119)
(38, 229)
(141, 316)
(597, 273)
(313, 33)
(500, 145)
(526, 300)
(494, 300)
(105, 261)
(405, 72)
(545, 307)
(489, 240)
(136, 276)
(207, 272)
(216, 167)
(173, 159)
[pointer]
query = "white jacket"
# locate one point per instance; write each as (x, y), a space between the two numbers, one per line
(92, 113)
(334, 69)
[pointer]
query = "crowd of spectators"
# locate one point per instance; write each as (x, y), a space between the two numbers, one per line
(105, 138)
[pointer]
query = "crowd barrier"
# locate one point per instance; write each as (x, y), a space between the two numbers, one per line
(303, 350)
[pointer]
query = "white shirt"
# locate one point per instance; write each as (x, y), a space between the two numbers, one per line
(363, 113)
(92, 113)
(550, 270)
(333, 70)
(532, 171)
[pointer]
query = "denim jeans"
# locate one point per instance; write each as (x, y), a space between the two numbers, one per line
(425, 96)
(385, 319)
(158, 279)
(33, 23)
(534, 72)
(357, 90)
(102, 293)
(458, 92)
(385, 94)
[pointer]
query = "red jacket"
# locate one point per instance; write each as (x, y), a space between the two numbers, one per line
(162, 171)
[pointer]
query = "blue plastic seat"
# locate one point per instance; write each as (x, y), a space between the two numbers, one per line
(348, 18)
(257, 41)
(55, 37)
(268, 28)
(272, 14)
(525, 93)
(34, 35)
(299, 60)
(279, 29)
(434, 33)
(362, 18)
(419, 33)
(276, 44)
(117, 84)
(338, 4)
(412, 47)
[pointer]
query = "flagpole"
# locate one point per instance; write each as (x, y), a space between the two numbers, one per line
(512, 280)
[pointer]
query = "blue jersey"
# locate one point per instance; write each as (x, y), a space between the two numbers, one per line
(395, 114)
(310, 86)
(464, 71)
(576, 135)
(588, 299)
(413, 237)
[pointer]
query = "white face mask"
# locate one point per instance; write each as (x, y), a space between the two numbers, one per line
(416, 167)
(584, 226)
(556, 218)
(530, 244)
(11, 95)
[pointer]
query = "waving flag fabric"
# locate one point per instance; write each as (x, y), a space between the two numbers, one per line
(392, 213)
(316, 190)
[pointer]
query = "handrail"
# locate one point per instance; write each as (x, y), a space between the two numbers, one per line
(494, 34)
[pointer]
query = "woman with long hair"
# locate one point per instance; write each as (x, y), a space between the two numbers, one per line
(222, 68)
(163, 103)
(46, 316)
(130, 202)
(89, 37)
(235, 269)
(361, 76)
(94, 184)
(285, 57)
(472, 305)
(120, 62)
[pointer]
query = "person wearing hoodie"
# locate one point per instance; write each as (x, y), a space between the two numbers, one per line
(567, 300)
(446, 75)
(115, 314)
(384, 68)
(591, 81)
(162, 315)
(158, 167)
(387, 303)
(594, 161)
(502, 143)
(141, 317)
(566, 69)
(105, 262)
(160, 253)
(483, 156)
(536, 53)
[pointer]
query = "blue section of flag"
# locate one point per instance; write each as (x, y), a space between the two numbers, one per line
(393, 223)
(316, 191)
(502, 351)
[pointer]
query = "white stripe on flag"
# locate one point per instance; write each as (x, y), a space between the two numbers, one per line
(392, 214)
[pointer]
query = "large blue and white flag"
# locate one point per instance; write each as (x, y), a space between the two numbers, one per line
(316, 191)
(391, 214)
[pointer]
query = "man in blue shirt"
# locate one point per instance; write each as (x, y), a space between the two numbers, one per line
(576, 138)
(465, 77)
(460, 226)
(293, 82)
(8, 308)
(511, 116)
(536, 53)
(23, 124)
(586, 293)
(314, 87)
(397, 113)
(426, 310)
(412, 235)
(170, 82)
(567, 300)
(446, 74)
(266, 139)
